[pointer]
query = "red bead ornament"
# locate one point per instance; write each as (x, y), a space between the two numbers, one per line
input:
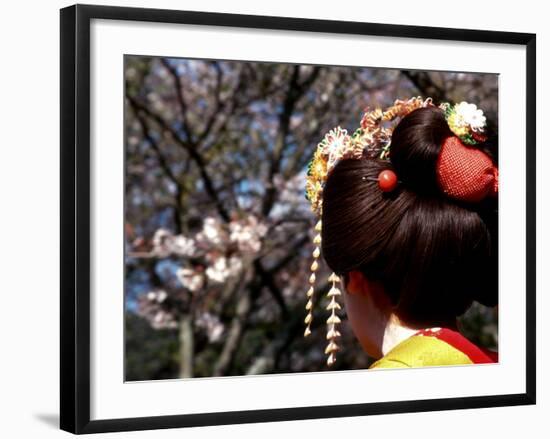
(387, 180)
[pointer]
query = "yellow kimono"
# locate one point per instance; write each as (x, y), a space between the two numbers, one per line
(435, 347)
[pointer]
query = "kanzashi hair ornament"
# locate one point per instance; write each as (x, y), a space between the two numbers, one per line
(387, 180)
(466, 121)
(333, 320)
(465, 173)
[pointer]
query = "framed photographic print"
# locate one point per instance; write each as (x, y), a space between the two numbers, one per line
(275, 218)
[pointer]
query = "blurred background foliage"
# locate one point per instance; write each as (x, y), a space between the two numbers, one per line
(217, 229)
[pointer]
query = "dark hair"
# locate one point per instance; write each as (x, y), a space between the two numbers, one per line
(433, 255)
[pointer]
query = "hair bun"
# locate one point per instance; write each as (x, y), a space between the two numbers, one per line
(415, 147)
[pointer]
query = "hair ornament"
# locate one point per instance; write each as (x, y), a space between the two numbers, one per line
(466, 121)
(372, 138)
(387, 180)
(465, 173)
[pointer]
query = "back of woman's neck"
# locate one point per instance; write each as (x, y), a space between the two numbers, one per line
(397, 332)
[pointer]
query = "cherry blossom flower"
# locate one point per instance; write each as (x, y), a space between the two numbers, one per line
(165, 244)
(152, 307)
(211, 324)
(211, 233)
(190, 279)
(224, 268)
(248, 235)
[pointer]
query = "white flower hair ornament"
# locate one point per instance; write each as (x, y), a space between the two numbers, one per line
(466, 121)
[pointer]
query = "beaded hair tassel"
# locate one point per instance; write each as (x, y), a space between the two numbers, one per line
(333, 305)
(312, 278)
(333, 320)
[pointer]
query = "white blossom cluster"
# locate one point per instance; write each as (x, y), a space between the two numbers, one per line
(222, 246)
(165, 244)
(223, 268)
(247, 234)
(190, 279)
(219, 248)
(152, 307)
(211, 324)
(212, 234)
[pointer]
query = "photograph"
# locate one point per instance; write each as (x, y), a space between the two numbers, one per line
(280, 218)
(275, 219)
(286, 218)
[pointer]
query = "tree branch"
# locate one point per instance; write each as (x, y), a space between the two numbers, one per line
(164, 166)
(181, 99)
(234, 335)
(219, 104)
(296, 89)
(191, 150)
(267, 279)
(425, 85)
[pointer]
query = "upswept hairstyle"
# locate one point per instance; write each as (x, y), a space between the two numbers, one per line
(433, 255)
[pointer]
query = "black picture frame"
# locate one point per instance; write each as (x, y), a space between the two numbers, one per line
(75, 217)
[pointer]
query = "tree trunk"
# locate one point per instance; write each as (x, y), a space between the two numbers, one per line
(234, 335)
(187, 348)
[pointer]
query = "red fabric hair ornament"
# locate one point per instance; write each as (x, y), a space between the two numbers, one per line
(465, 173)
